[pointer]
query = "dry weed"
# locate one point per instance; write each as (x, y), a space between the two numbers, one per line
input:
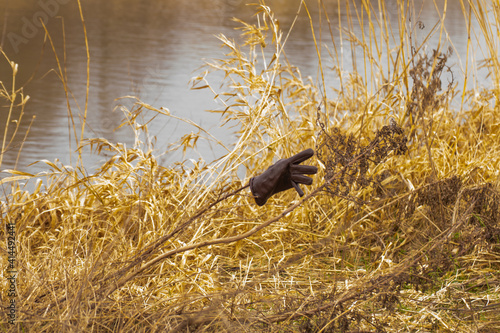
(139, 247)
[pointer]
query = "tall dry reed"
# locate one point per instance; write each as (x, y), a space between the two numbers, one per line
(400, 231)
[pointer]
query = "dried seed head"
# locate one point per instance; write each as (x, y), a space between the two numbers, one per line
(347, 160)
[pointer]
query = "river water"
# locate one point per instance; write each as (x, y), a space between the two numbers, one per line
(151, 49)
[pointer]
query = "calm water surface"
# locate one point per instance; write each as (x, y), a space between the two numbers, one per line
(151, 49)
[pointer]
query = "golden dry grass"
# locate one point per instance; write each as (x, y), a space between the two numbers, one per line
(410, 244)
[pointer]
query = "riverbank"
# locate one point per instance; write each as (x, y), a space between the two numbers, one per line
(400, 230)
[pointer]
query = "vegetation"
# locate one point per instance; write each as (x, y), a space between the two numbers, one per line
(399, 232)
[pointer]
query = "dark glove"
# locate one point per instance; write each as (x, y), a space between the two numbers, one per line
(283, 175)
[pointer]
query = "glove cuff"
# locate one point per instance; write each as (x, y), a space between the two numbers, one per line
(259, 200)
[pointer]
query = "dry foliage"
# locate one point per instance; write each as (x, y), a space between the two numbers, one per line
(400, 231)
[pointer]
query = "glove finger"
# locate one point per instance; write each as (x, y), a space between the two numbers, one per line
(307, 169)
(302, 156)
(301, 179)
(297, 188)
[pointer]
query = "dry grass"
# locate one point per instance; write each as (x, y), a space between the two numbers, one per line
(400, 231)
